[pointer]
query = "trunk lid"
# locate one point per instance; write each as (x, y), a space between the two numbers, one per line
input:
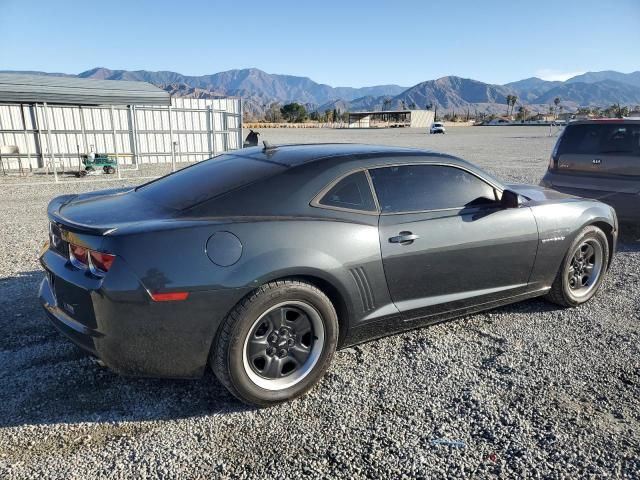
(104, 211)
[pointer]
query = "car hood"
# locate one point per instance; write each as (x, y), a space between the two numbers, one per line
(536, 193)
(104, 210)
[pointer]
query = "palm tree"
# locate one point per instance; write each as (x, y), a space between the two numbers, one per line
(509, 97)
(556, 102)
(386, 104)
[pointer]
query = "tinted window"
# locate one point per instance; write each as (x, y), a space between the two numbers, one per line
(351, 192)
(205, 180)
(414, 188)
(601, 138)
(621, 139)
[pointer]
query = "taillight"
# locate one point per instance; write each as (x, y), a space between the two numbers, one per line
(98, 263)
(553, 159)
(79, 254)
(101, 261)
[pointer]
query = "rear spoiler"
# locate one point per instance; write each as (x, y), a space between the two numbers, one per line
(53, 212)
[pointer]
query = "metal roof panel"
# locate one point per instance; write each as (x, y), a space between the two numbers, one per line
(23, 88)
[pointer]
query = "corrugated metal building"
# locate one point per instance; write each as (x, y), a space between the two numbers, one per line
(51, 121)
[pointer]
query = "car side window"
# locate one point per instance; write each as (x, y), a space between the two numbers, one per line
(415, 188)
(352, 192)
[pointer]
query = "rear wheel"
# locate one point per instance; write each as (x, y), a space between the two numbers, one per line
(582, 270)
(276, 344)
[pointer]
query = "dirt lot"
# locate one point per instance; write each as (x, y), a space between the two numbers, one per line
(524, 390)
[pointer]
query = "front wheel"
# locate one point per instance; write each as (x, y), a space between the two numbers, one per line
(582, 270)
(276, 344)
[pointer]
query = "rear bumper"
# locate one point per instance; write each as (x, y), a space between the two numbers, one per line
(78, 333)
(115, 320)
(626, 204)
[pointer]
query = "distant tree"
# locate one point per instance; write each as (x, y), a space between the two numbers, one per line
(294, 112)
(273, 114)
(336, 113)
(509, 97)
(618, 111)
(315, 116)
(328, 116)
(386, 104)
(412, 106)
(514, 99)
(522, 113)
(404, 105)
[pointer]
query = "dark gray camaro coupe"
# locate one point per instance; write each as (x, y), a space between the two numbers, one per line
(261, 262)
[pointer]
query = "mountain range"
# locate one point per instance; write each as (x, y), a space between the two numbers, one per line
(260, 89)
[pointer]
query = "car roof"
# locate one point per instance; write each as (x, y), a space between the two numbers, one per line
(300, 171)
(605, 121)
(292, 155)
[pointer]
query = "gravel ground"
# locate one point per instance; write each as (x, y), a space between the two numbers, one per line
(524, 390)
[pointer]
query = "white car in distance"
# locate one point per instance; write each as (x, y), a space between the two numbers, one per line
(437, 127)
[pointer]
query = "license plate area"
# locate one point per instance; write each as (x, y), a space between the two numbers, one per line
(74, 300)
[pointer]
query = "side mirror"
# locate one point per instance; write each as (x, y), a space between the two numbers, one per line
(510, 199)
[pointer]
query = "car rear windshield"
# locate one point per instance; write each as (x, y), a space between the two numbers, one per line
(206, 180)
(600, 138)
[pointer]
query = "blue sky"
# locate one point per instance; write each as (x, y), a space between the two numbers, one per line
(339, 43)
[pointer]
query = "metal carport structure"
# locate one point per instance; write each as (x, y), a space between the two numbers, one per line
(51, 121)
(391, 118)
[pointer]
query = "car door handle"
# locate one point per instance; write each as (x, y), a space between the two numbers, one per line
(404, 238)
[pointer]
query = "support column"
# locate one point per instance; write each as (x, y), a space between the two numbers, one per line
(46, 123)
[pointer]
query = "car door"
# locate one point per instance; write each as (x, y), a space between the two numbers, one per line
(446, 241)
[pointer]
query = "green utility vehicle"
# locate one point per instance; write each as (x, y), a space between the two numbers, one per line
(93, 163)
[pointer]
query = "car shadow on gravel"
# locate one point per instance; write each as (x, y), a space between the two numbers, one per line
(45, 379)
(629, 237)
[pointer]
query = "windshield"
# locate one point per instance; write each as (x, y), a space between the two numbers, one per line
(206, 180)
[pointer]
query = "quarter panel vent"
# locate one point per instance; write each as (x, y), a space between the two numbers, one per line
(364, 288)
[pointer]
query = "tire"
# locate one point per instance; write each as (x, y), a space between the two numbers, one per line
(578, 281)
(247, 355)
